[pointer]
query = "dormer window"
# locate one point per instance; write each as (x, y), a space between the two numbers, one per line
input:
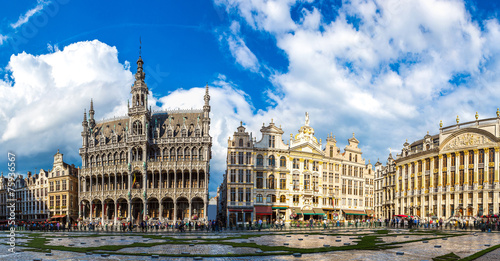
(271, 141)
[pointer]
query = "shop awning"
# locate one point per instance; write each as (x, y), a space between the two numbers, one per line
(296, 211)
(319, 211)
(307, 212)
(266, 210)
(280, 207)
(354, 212)
(58, 216)
(239, 210)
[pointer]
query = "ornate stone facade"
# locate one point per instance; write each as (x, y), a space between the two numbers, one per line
(31, 193)
(63, 190)
(146, 165)
(302, 179)
(453, 173)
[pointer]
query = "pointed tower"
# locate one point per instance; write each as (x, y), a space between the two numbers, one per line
(91, 115)
(139, 114)
(206, 113)
(85, 131)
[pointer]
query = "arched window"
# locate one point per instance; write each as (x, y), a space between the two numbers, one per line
(259, 198)
(194, 154)
(283, 199)
(241, 143)
(172, 154)
(270, 182)
(260, 160)
(271, 198)
(271, 161)
(282, 161)
(137, 128)
(179, 154)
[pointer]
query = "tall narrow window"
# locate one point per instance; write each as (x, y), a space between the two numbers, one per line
(282, 180)
(260, 160)
(307, 181)
(271, 161)
(283, 161)
(260, 180)
(270, 182)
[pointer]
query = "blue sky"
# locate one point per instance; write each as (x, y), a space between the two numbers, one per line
(386, 70)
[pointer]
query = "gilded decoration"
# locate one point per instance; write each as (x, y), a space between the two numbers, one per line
(467, 140)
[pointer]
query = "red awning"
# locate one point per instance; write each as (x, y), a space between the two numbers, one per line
(267, 210)
(239, 210)
(58, 216)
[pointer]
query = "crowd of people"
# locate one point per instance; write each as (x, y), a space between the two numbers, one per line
(483, 224)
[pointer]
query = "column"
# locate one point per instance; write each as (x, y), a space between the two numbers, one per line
(190, 184)
(495, 184)
(79, 193)
(190, 214)
(145, 212)
(116, 213)
(476, 167)
(161, 211)
(129, 200)
(102, 212)
(496, 166)
(485, 166)
(129, 210)
(175, 210)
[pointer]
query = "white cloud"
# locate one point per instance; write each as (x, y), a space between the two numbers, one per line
(385, 69)
(239, 49)
(42, 108)
(3, 38)
(24, 18)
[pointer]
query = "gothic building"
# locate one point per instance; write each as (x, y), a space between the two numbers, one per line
(146, 165)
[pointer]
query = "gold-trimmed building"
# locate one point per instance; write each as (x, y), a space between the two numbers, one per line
(63, 190)
(452, 173)
(301, 179)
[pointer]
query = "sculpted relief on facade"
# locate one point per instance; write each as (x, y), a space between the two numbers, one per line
(468, 140)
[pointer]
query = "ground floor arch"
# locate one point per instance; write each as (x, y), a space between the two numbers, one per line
(137, 210)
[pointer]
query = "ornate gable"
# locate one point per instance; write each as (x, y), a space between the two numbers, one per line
(468, 139)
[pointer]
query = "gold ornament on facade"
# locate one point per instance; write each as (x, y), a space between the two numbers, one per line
(458, 119)
(441, 124)
(498, 112)
(477, 116)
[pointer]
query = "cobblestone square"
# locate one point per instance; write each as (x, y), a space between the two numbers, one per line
(363, 244)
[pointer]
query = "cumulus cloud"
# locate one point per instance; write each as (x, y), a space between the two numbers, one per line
(43, 97)
(41, 105)
(388, 70)
(24, 18)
